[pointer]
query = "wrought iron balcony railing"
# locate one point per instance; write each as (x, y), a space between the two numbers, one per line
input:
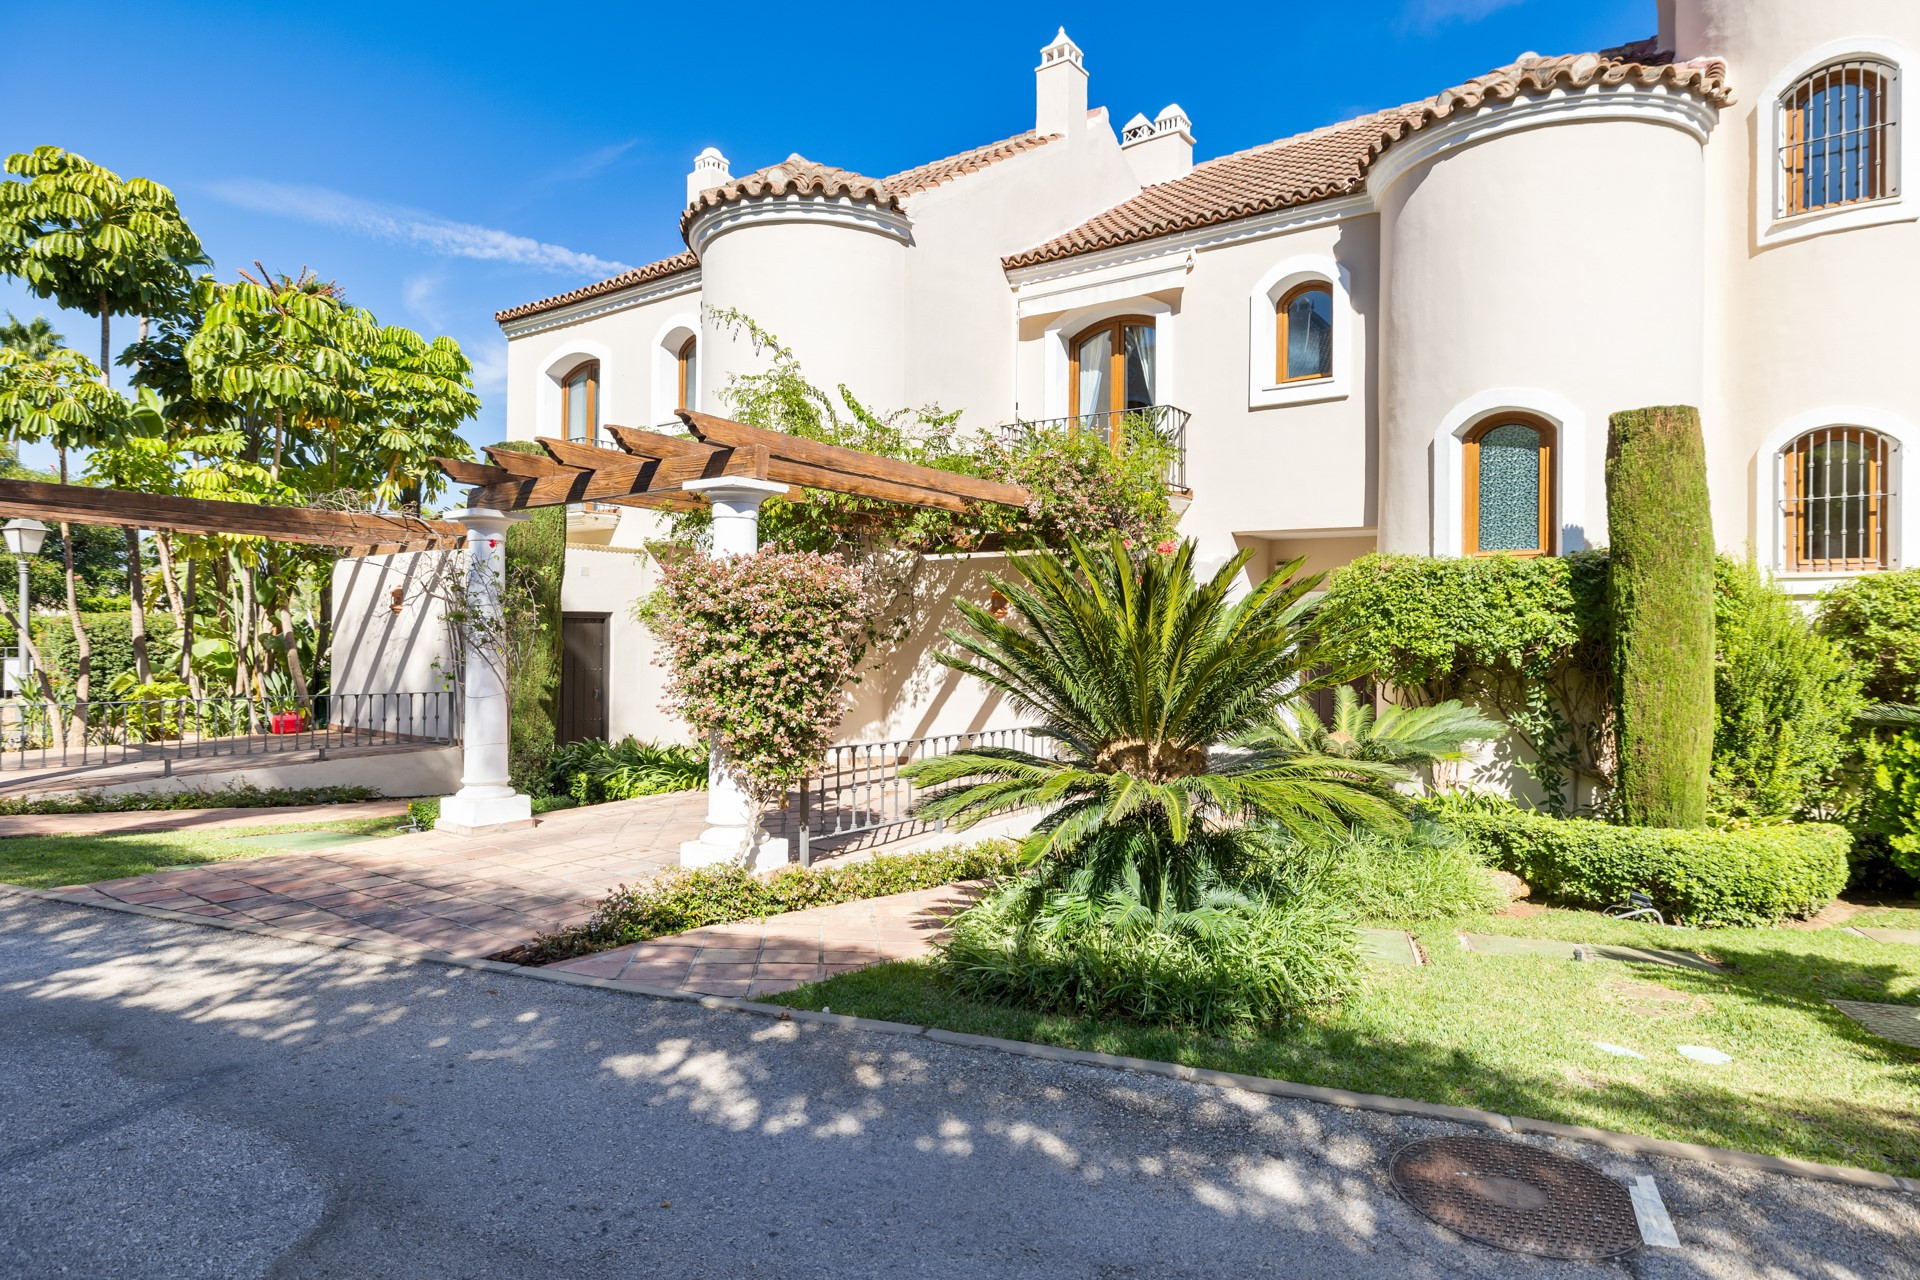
(1164, 422)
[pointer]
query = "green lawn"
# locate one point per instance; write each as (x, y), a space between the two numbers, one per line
(49, 862)
(1516, 1035)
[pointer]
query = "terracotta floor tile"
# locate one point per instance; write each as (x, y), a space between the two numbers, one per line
(719, 986)
(706, 972)
(797, 972)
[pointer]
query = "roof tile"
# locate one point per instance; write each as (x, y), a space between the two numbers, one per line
(684, 261)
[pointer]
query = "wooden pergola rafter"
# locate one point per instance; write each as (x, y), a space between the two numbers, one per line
(649, 468)
(358, 533)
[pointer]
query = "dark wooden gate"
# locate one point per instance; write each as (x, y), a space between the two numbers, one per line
(583, 677)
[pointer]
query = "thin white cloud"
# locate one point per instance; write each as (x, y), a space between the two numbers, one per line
(410, 226)
(421, 294)
(1430, 15)
(489, 360)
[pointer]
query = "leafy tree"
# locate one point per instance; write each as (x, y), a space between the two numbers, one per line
(94, 242)
(1660, 589)
(1145, 679)
(35, 339)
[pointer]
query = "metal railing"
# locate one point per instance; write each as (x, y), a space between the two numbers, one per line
(858, 787)
(73, 735)
(1165, 421)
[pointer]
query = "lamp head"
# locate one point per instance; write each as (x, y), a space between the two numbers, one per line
(24, 536)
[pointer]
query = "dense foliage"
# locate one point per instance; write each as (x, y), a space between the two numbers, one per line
(759, 650)
(112, 639)
(1428, 873)
(1660, 600)
(1223, 964)
(680, 900)
(237, 797)
(1882, 804)
(1784, 700)
(1754, 876)
(537, 567)
(593, 771)
(1875, 617)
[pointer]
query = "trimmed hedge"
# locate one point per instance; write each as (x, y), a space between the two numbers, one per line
(1756, 876)
(111, 635)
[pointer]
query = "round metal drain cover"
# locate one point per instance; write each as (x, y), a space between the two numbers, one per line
(1517, 1197)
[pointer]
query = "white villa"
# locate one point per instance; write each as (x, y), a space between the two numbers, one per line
(1400, 332)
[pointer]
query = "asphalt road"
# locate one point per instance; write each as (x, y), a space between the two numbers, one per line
(184, 1101)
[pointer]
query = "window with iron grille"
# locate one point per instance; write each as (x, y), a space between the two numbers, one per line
(1837, 141)
(1837, 500)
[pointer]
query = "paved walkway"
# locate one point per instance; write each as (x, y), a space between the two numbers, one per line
(762, 957)
(127, 822)
(465, 895)
(195, 1103)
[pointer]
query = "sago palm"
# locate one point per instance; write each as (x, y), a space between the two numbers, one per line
(1409, 736)
(1143, 678)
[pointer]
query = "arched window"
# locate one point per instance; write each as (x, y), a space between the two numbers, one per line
(1836, 500)
(580, 403)
(687, 360)
(1113, 371)
(1836, 136)
(1507, 506)
(1303, 325)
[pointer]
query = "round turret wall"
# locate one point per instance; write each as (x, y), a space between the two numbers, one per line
(834, 293)
(1553, 270)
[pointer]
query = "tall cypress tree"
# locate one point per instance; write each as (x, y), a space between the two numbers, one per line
(1661, 596)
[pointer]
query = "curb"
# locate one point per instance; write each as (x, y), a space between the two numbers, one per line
(1629, 1143)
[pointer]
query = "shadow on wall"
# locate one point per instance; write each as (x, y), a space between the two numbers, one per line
(429, 1101)
(381, 648)
(904, 691)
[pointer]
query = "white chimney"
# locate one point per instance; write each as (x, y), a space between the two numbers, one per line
(1060, 89)
(709, 170)
(1159, 150)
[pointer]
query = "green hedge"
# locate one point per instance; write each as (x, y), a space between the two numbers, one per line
(1756, 876)
(111, 635)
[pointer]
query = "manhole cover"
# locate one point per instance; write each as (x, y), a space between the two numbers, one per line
(1517, 1197)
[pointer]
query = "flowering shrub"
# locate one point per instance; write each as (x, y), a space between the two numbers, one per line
(1085, 489)
(758, 650)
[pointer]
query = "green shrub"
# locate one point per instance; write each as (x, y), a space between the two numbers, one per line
(593, 771)
(1660, 599)
(110, 634)
(1884, 808)
(425, 811)
(240, 797)
(1756, 876)
(1430, 873)
(1784, 699)
(681, 900)
(537, 556)
(1229, 964)
(1876, 619)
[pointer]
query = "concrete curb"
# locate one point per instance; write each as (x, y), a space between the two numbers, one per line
(1629, 1143)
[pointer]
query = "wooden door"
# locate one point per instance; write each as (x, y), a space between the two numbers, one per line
(583, 677)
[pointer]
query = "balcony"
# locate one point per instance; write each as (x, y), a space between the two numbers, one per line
(1164, 421)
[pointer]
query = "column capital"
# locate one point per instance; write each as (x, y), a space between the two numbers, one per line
(485, 519)
(739, 489)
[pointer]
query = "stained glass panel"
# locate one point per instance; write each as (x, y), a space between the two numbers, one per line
(1509, 495)
(1310, 335)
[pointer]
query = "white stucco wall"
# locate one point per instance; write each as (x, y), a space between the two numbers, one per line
(377, 649)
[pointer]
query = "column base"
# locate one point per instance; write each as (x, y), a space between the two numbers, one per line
(474, 815)
(727, 846)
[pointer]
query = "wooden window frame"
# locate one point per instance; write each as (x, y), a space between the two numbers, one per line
(1280, 334)
(1116, 369)
(1470, 484)
(590, 370)
(1880, 498)
(1878, 137)
(690, 347)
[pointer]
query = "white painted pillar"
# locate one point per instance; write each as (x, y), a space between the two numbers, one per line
(486, 800)
(731, 816)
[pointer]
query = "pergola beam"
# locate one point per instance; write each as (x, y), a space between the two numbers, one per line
(78, 504)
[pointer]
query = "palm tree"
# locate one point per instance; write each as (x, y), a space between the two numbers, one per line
(1144, 679)
(35, 339)
(1411, 736)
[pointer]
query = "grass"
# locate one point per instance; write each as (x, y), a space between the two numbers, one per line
(50, 862)
(1515, 1034)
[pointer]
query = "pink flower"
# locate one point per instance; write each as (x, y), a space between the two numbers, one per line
(1165, 546)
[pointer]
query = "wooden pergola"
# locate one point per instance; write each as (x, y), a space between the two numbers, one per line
(356, 533)
(648, 468)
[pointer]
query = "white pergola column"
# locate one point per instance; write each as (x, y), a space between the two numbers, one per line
(731, 815)
(486, 800)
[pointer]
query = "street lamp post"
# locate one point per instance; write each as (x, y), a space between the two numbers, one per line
(24, 536)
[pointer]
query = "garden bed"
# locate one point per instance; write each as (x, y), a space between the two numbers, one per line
(1519, 1034)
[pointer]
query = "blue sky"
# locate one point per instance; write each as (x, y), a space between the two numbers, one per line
(443, 161)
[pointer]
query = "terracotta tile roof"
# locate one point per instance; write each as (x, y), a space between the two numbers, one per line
(939, 172)
(797, 174)
(794, 176)
(1333, 161)
(684, 261)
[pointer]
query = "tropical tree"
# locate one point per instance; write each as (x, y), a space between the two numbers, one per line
(36, 339)
(94, 242)
(1146, 680)
(1415, 737)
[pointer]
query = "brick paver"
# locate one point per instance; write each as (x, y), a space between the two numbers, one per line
(471, 896)
(763, 957)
